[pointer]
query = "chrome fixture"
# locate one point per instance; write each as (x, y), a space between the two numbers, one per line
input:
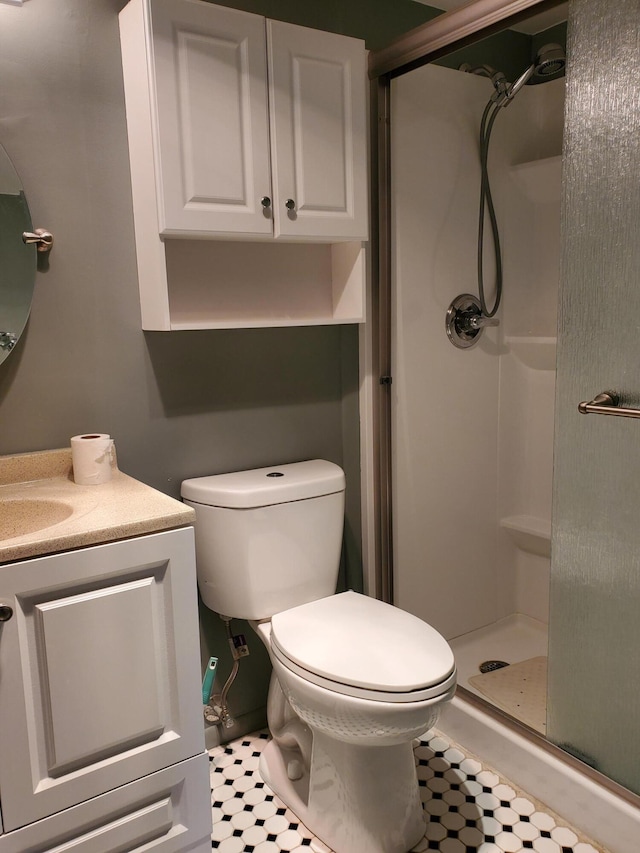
(6, 612)
(550, 60)
(290, 204)
(500, 82)
(265, 201)
(606, 403)
(7, 341)
(465, 321)
(42, 238)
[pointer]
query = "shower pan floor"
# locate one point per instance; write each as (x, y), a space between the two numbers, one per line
(513, 639)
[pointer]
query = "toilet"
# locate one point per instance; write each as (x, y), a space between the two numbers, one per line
(354, 680)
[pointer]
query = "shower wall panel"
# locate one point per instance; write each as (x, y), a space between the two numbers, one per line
(530, 229)
(472, 430)
(445, 400)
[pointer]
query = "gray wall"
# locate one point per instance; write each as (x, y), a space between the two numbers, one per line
(178, 404)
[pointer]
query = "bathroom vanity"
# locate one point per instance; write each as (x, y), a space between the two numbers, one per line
(101, 735)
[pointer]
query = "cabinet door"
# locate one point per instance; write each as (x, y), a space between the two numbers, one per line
(212, 139)
(99, 671)
(318, 133)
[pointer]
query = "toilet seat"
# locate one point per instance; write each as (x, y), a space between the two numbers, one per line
(359, 646)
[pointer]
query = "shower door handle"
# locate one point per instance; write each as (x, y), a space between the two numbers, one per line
(607, 404)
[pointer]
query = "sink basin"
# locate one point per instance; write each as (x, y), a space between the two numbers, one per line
(21, 517)
(43, 511)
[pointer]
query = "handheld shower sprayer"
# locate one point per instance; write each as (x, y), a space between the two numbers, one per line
(514, 88)
(467, 315)
(549, 61)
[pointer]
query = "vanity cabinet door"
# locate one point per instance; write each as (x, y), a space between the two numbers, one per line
(209, 67)
(99, 671)
(317, 103)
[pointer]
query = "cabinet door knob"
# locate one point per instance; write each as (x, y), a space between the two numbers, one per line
(6, 612)
(290, 204)
(265, 201)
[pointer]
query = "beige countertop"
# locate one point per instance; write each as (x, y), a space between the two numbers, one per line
(42, 510)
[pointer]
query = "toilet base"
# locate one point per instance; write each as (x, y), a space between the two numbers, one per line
(272, 768)
(361, 799)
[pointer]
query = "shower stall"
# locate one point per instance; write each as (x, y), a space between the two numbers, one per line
(463, 469)
(472, 427)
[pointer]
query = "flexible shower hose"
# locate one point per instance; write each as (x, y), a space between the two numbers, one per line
(486, 203)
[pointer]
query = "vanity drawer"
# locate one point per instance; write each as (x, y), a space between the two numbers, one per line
(167, 812)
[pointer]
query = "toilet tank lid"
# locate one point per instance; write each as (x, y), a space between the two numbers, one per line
(266, 486)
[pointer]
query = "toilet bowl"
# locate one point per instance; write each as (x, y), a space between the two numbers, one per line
(366, 678)
(354, 680)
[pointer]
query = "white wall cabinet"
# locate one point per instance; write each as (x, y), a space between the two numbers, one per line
(244, 129)
(225, 75)
(99, 687)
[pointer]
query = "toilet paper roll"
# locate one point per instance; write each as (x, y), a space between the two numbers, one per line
(93, 457)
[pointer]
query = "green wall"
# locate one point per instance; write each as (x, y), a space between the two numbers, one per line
(375, 21)
(178, 404)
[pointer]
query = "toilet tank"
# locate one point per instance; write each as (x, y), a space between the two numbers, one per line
(267, 539)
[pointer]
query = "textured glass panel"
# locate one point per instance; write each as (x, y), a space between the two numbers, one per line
(594, 678)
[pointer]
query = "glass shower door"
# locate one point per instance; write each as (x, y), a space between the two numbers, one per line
(594, 656)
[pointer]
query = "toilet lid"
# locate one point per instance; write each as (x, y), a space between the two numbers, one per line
(360, 642)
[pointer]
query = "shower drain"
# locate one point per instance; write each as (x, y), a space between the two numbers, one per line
(491, 665)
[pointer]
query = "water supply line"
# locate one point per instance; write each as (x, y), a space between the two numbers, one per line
(217, 710)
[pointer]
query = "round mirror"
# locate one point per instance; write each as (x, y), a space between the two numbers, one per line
(17, 260)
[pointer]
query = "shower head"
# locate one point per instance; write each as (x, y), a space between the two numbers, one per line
(550, 60)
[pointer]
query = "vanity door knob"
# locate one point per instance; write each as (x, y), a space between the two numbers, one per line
(265, 201)
(6, 612)
(290, 204)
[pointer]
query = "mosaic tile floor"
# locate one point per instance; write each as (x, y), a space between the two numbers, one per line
(468, 809)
